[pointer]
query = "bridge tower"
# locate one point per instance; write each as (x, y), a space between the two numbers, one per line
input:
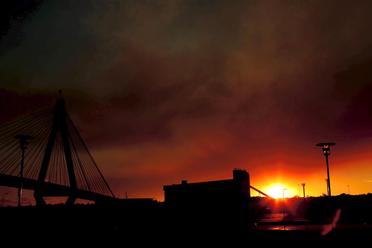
(59, 127)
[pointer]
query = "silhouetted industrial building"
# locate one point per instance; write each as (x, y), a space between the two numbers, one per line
(222, 192)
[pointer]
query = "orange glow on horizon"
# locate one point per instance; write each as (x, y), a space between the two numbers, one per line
(278, 191)
(155, 166)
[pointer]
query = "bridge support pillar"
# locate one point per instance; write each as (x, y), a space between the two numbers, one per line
(39, 200)
(71, 200)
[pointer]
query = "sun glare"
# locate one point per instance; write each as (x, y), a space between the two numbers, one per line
(278, 191)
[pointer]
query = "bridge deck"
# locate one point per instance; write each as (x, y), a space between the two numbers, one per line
(51, 189)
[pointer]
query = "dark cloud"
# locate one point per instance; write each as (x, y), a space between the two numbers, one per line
(13, 104)
(13, 12)
(180, 87)
(355, 83)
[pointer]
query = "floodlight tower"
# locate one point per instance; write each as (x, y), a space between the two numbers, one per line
(23, 141)
(303, 189)
(326, 147)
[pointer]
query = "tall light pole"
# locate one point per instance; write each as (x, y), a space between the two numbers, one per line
(283, 206)
(326, 147)
(23, 141)
(303, 189)
(284, 189)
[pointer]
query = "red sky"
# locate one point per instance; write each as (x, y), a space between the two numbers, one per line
(192, 89)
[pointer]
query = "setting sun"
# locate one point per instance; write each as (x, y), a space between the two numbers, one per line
(278, 190)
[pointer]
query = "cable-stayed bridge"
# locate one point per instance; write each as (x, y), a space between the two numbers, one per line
(44, 152)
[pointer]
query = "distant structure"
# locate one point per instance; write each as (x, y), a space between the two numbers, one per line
(23, 141)
(222, 192)
(326, 147)
(303, 189)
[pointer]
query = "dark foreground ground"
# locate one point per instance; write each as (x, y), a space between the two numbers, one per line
(131, 225)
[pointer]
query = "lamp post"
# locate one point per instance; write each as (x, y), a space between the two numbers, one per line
(283, 206)
(23, 141)
(303, 189)
(284, 189)
(326, 147)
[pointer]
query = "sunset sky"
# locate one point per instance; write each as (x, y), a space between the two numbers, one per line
(191, 89)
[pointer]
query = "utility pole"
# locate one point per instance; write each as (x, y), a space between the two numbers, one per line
(303, 189)
(326, 147)
(283, 206)
(23, 141)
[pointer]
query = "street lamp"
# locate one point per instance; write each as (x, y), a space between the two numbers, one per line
(326, 147)
(283, 206)
(284, 189)
(303, 189)
(23, 141)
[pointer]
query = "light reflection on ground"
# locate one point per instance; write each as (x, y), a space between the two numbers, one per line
(279, 222)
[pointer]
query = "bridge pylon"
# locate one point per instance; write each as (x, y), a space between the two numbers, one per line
(59, 127)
